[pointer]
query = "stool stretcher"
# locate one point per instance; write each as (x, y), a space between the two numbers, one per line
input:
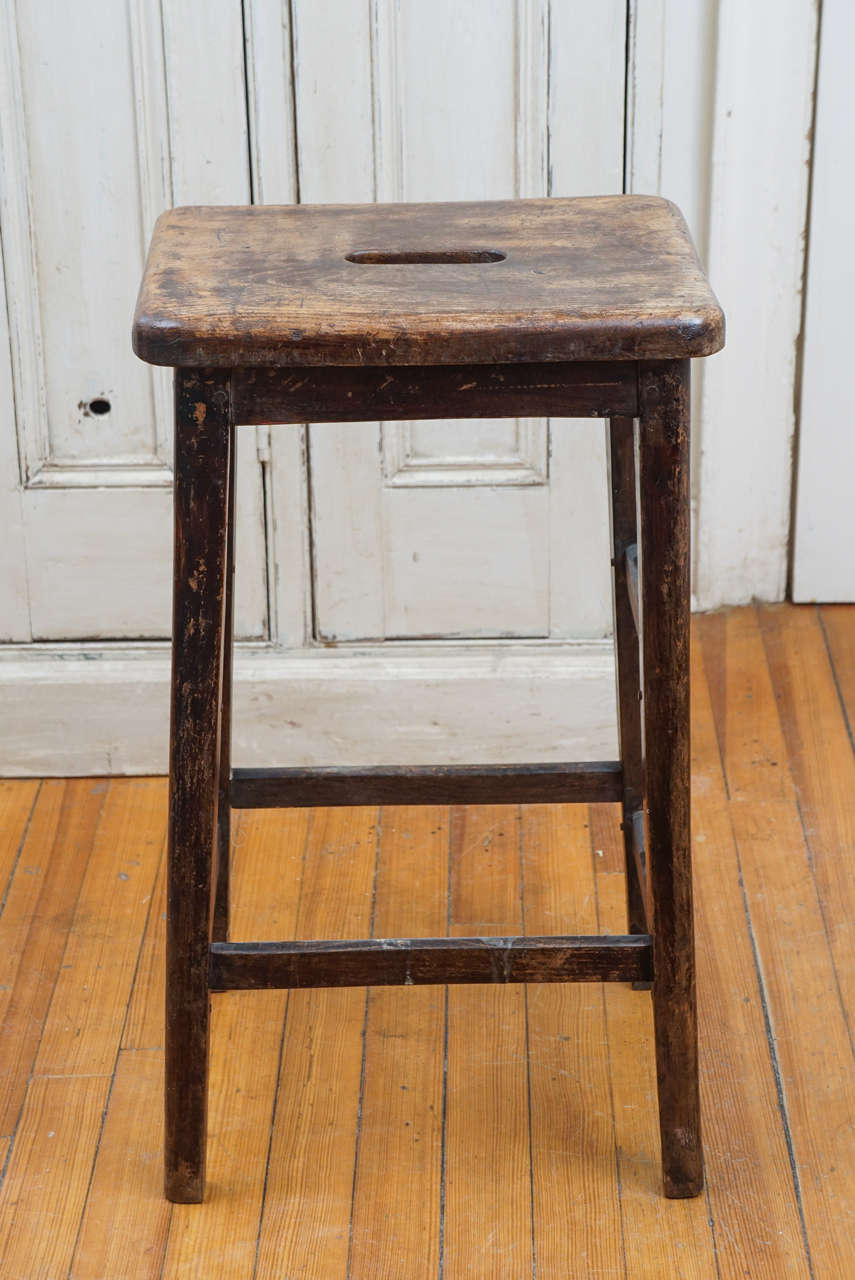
(599, 782)
(404, 962)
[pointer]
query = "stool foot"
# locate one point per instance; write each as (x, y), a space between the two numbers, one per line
(679, 1100)
(184, 1186)
(686, 1179)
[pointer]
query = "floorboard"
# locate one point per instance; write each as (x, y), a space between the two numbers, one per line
(17, 800)
(398, 1187)
(47, 1178)
(126, 1219)
(575, 1188)
(35, 925)
(487, 1210)
(753, 1201)
(480, 1131)
(305, 1226)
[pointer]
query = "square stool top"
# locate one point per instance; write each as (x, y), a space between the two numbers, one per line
(593, 278)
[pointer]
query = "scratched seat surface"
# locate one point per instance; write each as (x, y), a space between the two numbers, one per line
(595, 278)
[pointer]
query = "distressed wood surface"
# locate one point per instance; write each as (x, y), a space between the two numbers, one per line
(664, 485)
(332, 393)
(199, 772)
(273, 285)
(429, 961)
(202, 439)
(204, 425)
(599, 781)
(220, 926)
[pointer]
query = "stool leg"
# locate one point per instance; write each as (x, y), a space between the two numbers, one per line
(664, 457)
(220, 932)
(202, 412)
(624, 534)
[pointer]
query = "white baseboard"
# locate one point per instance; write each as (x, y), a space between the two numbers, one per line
(75, 709)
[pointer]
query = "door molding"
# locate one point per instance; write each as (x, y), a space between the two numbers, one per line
(23, 299)
(79, 710)
(19, 254)
(705, 80)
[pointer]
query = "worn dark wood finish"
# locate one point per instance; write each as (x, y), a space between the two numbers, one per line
(347, 394)
(220, 927)
(421, 961)
(556, 307)
(664, 466)
(202, 435)
(600, 278)
(597, 782)
(624, 537)
(631, 558)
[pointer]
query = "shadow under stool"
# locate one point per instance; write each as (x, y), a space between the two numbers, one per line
(564, 308)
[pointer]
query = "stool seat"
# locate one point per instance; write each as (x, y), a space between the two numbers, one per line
(502, 282)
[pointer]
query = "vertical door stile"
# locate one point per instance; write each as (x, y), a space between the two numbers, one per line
(271, 60)
(448, 534)
(824, 516)
(137, 119)
(210, 98)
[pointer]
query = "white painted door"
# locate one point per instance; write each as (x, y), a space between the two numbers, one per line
(454, 529)
(823, 563)
(465, 564)
(109, 113)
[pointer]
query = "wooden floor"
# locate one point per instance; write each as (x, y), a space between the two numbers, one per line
(476, 1132)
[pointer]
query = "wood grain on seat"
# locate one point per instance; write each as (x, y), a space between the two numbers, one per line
(598, 278)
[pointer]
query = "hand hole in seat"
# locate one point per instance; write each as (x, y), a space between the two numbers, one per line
(382, 257)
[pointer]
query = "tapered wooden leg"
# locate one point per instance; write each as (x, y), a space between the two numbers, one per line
(202, 433)
(220, 930)
(624, 536)
(664, 458)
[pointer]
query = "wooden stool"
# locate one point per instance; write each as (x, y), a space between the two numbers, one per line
(566, 308)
